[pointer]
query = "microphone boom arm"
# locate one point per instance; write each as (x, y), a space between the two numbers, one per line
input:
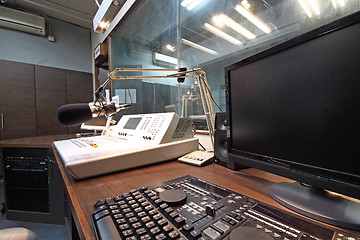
(180, 75)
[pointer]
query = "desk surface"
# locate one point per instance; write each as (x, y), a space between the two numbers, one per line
(34, 142)
(84, 193)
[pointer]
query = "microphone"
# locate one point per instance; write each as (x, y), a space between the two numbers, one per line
(78, 113)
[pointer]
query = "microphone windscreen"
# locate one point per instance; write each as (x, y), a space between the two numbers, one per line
(74, 114)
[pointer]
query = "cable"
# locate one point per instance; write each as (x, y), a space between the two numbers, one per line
(202, 146)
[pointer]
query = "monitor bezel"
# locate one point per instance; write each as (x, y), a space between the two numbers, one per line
(317, 177)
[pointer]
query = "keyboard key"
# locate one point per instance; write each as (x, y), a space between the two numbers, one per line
(155, 230)
(101, 214)
(99, 203)
(124, 226)
(211, 233)
(136, 225)
(160, 236)
(157, 216)
(140, 231)
(145, 237)
(150, 224)
(145, 219)
(99, 209)
(168, 228)
(194, 234)
(179, 222)
(186, 229)
(162, 222)
(110, 201)
(107, 228)
(174, 235)
(127, 233)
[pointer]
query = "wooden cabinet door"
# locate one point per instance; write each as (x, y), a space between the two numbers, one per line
(50, 95)
(79, 90)
(17, 100)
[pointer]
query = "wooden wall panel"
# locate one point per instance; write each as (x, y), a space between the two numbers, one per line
(30, 96)
(79, 87)
(17, 100)
(50, 95)
(79, 90)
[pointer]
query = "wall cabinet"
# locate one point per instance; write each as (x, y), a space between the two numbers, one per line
(31, 94)
(17, 100)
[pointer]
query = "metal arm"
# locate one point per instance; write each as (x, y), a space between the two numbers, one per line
(180, 74)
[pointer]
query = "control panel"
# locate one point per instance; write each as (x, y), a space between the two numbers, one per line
(191, 208)
(136, 140)
(154, 128)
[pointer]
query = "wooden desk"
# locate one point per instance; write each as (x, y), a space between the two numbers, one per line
(84, 193)
(34, 142)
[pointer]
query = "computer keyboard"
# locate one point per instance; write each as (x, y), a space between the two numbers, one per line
(191, 208)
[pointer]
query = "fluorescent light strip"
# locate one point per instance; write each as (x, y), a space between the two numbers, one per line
(314, 5)
(221, 34)
(305, 7)
(193, 4)
(253, 18)
(165, 58)
(185, 3)
(237, 27)
(334, 3)
(191, 44)
(170, 47)
(190, 4)
(341, 3)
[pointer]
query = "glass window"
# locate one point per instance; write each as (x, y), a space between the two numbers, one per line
(209, 34)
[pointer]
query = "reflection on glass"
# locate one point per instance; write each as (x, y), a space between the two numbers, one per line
(221, 34)
(210, 34)
(225, 20)
(252, 18)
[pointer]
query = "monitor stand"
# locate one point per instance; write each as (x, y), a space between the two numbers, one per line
(318, 204)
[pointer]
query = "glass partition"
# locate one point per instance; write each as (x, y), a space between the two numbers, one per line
(209, 34)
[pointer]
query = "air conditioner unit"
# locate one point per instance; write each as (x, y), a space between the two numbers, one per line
(22, 21)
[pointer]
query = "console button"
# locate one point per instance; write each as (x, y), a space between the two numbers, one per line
(211, 233)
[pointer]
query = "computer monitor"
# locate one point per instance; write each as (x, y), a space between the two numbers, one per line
(294, 110)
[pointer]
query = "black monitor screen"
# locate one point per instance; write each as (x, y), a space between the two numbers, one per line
(294, 109)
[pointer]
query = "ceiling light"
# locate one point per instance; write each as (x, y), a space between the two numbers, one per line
(202, 48)
(105, 14)
(314, 5)
(305, 7)
(103, 24)
(340, 2)
(170, 47)
(221, 34)
(165, 58)
(310, 7)
(218, 20)
(235, 26)
(334, 3)
(253, 18)
(246, 4)
(190, 4)
(185, 3)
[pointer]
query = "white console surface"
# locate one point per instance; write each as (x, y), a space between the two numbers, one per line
(136, 140)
